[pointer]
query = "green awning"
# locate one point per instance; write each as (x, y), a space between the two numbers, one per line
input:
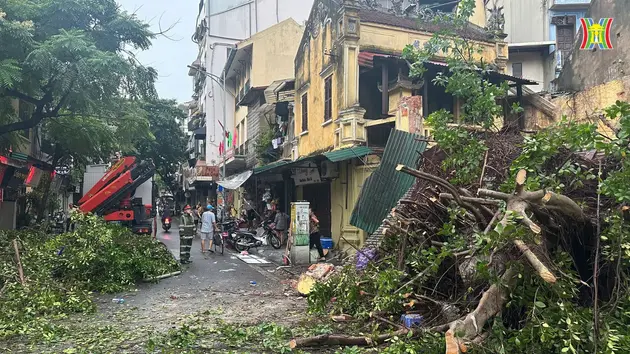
(347, 153)
(271, 166)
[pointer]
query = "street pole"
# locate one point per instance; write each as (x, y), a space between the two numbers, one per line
(224, 142)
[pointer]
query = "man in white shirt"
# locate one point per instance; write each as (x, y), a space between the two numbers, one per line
(208, 227)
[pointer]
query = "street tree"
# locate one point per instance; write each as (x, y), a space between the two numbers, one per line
(167, 145)
(69, 57)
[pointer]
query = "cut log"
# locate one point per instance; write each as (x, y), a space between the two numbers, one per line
(493, 300)
(490, 305)
(341, 340)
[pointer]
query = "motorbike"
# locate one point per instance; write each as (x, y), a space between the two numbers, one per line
(166, 224)
(57, 222)
(269, 236)
(240, 240)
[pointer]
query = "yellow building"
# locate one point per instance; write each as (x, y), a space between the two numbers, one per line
(263, 60)
(352, 88)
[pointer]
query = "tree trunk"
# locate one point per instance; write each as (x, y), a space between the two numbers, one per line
(43, 209)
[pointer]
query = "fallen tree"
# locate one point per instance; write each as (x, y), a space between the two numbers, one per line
(530, 232)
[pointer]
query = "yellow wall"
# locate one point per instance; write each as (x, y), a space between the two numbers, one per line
(582, 106)
(239, 121)
(274, 53)
(312, 65)
(479, 17)
(320, 136)
(357, 173)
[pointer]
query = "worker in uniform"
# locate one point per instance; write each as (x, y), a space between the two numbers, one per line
(187, 230)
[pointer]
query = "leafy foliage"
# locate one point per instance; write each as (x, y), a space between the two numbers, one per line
(263, 146)
(167, 144)
(61, 271)
(466, 79)
(70, 56)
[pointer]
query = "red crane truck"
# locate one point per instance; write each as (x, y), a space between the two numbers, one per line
(113, 196)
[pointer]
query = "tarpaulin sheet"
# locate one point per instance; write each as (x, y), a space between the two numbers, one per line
(234, 182)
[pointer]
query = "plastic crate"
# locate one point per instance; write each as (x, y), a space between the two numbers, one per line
(327, 243)
(411, 320)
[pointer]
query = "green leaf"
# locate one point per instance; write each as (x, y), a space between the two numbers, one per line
(540, 304)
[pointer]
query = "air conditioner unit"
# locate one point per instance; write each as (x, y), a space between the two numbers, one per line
(329, 170)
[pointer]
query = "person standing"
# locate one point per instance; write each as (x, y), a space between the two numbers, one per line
(249, 209)
(282, 223)
(315, 238)
(187, 231)
(196, 215)
(208, 226)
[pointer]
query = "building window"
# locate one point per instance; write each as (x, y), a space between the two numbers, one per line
(328, 99)
(517, 69)
(304, 112)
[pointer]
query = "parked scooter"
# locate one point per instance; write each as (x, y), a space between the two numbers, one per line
(239, 239)
(166, 223)
(269, 235)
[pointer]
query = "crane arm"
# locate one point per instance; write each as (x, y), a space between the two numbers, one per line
(124, 185)
(113, 173)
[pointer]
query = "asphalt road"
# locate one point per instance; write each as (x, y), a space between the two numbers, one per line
(215, 270)
(209, 283)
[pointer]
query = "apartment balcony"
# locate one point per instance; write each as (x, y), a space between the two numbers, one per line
(236, 158)
(570, 4)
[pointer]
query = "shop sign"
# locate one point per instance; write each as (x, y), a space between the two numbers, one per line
(18, 178)
(307, 175)
(206, 173)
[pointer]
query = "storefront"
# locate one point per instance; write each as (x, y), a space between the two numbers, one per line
(17, 177)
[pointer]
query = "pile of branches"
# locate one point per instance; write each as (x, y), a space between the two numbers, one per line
(462, 255)
(45, 277)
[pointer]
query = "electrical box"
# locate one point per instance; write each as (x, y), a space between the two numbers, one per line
(300, 223)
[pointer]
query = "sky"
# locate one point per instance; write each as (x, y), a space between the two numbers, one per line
(169, 56)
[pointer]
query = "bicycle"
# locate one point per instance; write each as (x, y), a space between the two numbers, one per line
(218, 240)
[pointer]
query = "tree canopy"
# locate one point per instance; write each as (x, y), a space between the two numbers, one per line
(167, 147)
(69, 57)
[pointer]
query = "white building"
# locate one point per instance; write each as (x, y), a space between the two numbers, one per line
(541, 36)
(220, 25)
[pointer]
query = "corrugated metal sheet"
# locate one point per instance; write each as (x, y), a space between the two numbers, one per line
(382, 190)
(347, 153)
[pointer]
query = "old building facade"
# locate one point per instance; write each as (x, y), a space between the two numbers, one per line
(352, 89)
